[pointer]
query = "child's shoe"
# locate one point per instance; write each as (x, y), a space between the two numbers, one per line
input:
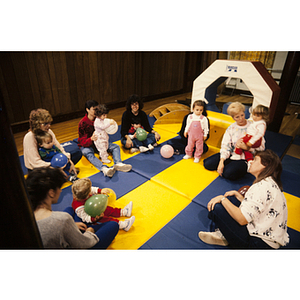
(150, 147)
(196, 160)
(133, 150)
(126, 225)
(187, 156)
(123, 167)
(109, 172)
(106, 161)
(143, 149)
(126, 211)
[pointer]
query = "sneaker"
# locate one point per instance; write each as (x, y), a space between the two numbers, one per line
(196, 160)
(187, 156)
(123, 167)
(106, 161)
(133, 150)
(150, 147)
(126, 211)
(73, 178)
(213, 238)
(126, 225)
(143, 149)
(109, 172)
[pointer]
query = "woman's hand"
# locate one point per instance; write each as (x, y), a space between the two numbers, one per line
(211, 204)
(81, 226)
(220, 167)
(236, 194)
(72, 168)
(240, 144)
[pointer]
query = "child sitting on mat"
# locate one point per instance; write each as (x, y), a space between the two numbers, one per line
(196, 130)
(255, 132)
(142, 146)
(47, 150)
(82, 189)
(100, 125)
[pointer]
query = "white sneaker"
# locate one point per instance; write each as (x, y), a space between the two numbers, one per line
(133, 150)
(123, 167)
(126, 225)
(196, 160)
(109, 172)
(213, 238)
(106, 161)
(187, 156)
(126, 211)
(150, 147)
(143, 149)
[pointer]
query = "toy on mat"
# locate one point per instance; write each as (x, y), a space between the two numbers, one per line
(112, 197)
(141, 134)
(112, 129)
(166, 151)
(96, 205)
(59, 160)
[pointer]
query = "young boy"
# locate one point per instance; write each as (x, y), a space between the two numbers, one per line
(82, 189)
(47, 150)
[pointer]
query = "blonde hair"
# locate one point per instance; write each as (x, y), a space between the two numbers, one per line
(81, 188)
(38, 117)
(41, 136)
(262, 111)
(234, 108)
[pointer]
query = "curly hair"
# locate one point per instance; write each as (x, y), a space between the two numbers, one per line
(37, 117)
(234, 108)
(81, 188)
(134, 99)
(101, 109)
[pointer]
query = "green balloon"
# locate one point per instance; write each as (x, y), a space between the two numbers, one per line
(141, 134)
(96, 205)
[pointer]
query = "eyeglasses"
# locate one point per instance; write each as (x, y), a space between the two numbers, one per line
(46, 124)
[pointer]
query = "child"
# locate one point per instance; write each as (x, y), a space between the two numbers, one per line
(100, 125)
(47, 150)
(82, 189)
(142, 146)
(255, 132)
(196, 130)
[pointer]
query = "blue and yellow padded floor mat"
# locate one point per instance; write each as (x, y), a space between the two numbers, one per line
(170, 195)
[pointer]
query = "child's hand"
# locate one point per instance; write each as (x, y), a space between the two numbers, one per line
(105, 191)
(185, 134)
(99, 217)
(81, 226)
(112, 122)
(204, 138)
(94, 137)
(90, 229)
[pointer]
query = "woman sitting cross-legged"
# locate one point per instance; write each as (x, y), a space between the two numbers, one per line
(257, 220)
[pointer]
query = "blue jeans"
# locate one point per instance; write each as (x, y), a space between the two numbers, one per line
(89, 154)
(236, 235)
(136, 143)
(233, 169)
(106, 232)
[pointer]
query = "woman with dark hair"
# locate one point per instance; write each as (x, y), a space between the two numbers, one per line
(58, 229)
(257, 220)
(134, 106)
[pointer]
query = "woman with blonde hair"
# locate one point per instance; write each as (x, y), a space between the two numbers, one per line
(226, 163)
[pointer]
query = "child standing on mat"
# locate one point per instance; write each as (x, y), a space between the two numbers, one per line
(47, 150)
(142, 146)
(82, 189)
(255, 132)
(101, 112)
(196, 130)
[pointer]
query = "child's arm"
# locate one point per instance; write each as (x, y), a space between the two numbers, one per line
(260, 132)
(205, 128)
(80, 212)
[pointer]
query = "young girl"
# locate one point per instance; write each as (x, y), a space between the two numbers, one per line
(255, 132)
(196, 130)
(82, 189)
(47, 150)
(100, 125)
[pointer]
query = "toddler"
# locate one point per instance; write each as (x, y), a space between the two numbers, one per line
(82, 189)
(196, 130)
(47, 150)
(100, 125)
(255, 131)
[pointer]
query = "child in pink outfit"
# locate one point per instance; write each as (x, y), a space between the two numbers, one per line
(196, 130)
(100, 124)
(255, 132)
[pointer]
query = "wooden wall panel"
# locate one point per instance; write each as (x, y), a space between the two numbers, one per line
(61, 82)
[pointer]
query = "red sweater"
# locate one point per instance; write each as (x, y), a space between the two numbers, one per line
(85, 131)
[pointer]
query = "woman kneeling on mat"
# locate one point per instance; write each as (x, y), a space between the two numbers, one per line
(228, 164)
(58, 229)
(257, 220)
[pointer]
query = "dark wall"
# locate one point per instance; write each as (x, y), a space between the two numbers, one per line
(61, 82)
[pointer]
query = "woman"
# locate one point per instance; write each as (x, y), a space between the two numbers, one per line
(134, 106)
(40, 119)
(58, 229)
(257, 220)
(227, 164)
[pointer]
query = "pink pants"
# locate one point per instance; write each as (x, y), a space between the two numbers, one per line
(195, 139)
